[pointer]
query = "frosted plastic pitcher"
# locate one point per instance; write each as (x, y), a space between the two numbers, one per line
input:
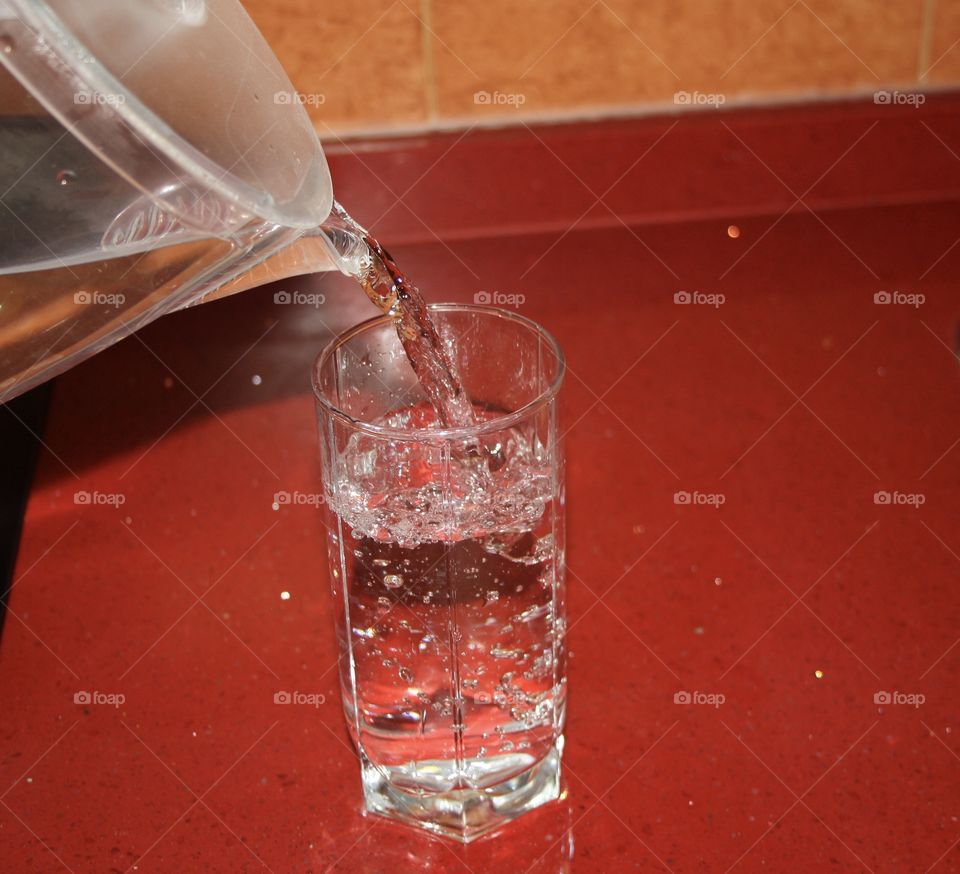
(152, 152)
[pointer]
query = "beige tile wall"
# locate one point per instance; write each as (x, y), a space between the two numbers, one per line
(942, 63)
(381, 64)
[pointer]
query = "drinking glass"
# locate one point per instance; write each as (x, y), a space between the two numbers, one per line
(446, 558)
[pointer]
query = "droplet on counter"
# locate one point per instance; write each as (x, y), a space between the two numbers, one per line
(818, 674)
(256, 379)
(733, 232)
(284, 596)
(66, 177)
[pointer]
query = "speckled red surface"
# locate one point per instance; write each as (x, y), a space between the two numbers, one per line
(797, 600)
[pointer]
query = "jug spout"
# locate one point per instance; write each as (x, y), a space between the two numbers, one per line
(330, 247)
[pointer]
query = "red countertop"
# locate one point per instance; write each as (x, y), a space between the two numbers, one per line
(793, 603)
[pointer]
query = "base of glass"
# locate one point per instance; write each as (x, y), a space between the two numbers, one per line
(465, 814)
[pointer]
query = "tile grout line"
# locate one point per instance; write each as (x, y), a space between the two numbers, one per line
(614, 112)
(429, 63)
(928, 10)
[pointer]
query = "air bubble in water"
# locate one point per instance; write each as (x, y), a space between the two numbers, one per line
(66, 177)
(393, 581)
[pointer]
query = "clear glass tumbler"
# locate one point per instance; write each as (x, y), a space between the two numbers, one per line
(446, 552)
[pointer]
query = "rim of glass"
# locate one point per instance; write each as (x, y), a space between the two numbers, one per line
(497, 423)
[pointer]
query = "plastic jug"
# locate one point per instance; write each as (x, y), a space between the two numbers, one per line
(152, 153)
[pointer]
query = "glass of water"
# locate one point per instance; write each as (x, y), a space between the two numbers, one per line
(446, 551)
